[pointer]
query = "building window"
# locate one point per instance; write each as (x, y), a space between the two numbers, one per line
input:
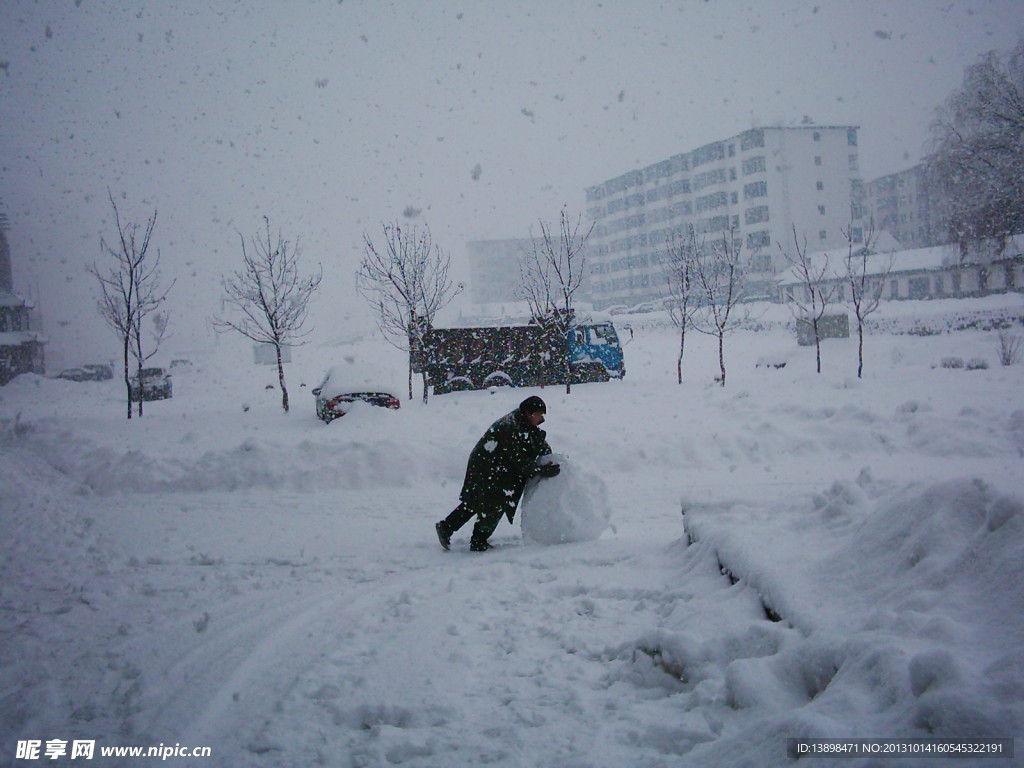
(817, 136)
(735, 198)
(756, 189)
(732, 150)
(894, 289)
(821, 210)
(817, 159)
(707, 154)
(821, 185)
(822, 235)
(760, 239)
(732, 174)
(854, 163)
(851, 137)
(707, 202)
(756, 215)
(753, 165)
(751, 139)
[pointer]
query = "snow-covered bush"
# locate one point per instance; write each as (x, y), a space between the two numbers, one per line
(1009, 347)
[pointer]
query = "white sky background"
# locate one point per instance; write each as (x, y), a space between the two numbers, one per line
(332, 117)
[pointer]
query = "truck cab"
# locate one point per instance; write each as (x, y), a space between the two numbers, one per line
(597, 342)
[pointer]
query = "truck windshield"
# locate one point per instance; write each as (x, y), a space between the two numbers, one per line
(604, 334)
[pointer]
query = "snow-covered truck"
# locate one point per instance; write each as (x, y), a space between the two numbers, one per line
(457, 359)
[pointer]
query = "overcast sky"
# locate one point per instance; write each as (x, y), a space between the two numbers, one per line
(474, 118)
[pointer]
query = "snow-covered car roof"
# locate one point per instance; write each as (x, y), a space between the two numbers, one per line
(344, 379)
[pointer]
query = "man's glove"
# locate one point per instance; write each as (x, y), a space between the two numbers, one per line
(548, 470)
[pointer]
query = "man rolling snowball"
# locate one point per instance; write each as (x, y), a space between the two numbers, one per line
(499, 466)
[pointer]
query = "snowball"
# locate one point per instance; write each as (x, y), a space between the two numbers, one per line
(572, 506)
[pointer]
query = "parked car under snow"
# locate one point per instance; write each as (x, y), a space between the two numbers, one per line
(74, 374)
(155, 385)
(342, 387)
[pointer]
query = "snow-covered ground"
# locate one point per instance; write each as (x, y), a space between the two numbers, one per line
(795, 555)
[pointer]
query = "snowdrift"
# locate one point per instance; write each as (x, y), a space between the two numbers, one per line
(886, 584)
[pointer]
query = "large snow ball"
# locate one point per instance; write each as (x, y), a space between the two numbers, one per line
(572, 506)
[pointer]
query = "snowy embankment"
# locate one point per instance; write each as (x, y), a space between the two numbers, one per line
(849, 563)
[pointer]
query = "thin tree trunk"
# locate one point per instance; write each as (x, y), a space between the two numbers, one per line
(568, 364)
(721, 355)
(142, 389)
(679, 359)
(817, 344)
(280, 379)
(860, 349)
(127, 378)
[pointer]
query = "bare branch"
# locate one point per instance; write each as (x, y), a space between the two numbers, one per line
(550, 278)
(130, 291)
(818, 289)
(405, 281)
(680, 266)
(269, 296)
(718, 276)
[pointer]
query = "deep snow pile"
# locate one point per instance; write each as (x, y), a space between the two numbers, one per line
(849, 563)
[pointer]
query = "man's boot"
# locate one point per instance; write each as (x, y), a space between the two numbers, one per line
(443, 535)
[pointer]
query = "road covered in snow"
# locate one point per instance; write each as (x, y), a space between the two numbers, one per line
(795, 556)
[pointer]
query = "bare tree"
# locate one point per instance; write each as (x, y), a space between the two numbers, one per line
(978, 153)
(130, 291)
(270, 296)
(719, 278)
(865, 281)
(680, 266)
(818, 289)
(405, 280)
(551, 275)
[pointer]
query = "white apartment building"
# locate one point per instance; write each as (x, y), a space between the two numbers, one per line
(757, 185)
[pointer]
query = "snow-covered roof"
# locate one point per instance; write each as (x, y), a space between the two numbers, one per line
(346, 378)
(16, 338)
(8, 299)
(884, 260)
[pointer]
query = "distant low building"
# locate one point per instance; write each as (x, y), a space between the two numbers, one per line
(938, 272)
(21, 347)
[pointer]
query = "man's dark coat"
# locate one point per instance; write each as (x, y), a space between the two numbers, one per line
(501, 463)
